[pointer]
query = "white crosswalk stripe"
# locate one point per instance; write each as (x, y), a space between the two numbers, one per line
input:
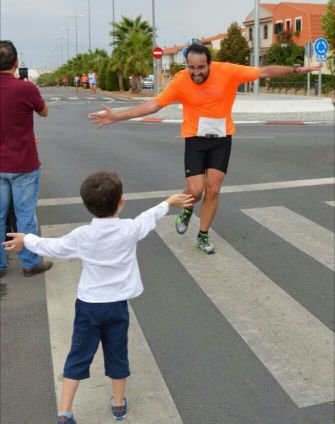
(150, 400)
(311, 238)
(331, 203)
(294, 346)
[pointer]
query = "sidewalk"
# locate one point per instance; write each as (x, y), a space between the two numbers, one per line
(265, 108)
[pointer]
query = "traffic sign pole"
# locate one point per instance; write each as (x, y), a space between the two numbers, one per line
(309, 54)
(157, 54)
(321, 49)
(319, 84)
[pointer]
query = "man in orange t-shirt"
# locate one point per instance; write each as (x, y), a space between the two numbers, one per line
(207, 92)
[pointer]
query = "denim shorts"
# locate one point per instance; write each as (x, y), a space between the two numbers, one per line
(95, 322)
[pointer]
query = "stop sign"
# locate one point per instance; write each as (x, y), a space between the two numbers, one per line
(157, 52)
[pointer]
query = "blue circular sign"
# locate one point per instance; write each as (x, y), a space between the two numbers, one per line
(321, 46)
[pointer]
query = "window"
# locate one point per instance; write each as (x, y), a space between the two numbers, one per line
(298, 24)
(265, 32)
(278, 27)
(288, 24)
(250, 34)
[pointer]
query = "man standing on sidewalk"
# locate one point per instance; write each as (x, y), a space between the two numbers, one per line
(19, 163)
(207, 92)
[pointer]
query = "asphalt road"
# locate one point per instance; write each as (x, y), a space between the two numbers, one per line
(241, 337)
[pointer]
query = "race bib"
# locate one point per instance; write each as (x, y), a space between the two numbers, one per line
(211, 126)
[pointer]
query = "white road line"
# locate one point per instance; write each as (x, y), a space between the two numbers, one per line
(309, 237)
(296, 348)
(331, 203)
(149, 399)
(224, 189)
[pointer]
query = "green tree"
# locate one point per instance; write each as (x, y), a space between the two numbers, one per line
(131, 55)
(328, 25)
(286, 54)
(234, 47)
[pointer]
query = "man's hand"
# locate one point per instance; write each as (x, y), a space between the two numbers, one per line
(307, 69)
(181, 200)
(103, 117)
(16, 244)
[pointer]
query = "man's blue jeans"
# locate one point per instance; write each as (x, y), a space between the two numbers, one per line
(24, 188)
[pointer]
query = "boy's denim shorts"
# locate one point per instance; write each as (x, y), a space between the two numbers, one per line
(95, 322)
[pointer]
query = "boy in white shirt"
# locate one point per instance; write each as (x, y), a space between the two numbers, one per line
(110, 276)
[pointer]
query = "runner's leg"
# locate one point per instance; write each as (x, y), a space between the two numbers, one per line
(214, 179)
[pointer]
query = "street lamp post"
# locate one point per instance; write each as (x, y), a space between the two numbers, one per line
(89, 24)
(113, 20)
(68, 29)
(256, 45)
(61, 38)
(155, 63)
(76, 17)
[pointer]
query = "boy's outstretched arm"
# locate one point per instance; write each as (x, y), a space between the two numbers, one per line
(16, 244)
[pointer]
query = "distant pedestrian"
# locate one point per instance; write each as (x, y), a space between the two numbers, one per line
(76, 82)
(19, 162)
(110, 277)
(84, 81)
(92, 81)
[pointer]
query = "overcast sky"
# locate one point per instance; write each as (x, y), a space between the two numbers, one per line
(35, 26)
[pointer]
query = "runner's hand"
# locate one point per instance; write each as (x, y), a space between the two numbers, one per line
(103, 117)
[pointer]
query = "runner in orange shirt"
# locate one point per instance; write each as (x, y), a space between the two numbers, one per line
(207, 92)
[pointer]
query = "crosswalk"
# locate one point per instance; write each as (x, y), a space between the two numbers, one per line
(72, 99)
(293, 345)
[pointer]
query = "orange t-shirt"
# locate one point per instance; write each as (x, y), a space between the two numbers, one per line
(212, 99)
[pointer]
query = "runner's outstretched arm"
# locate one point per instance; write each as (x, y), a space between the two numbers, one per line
(277, 71)
(107, 116)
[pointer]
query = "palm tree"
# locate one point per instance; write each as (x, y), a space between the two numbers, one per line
(132, 50)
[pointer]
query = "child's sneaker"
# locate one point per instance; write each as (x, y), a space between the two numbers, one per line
(182, 221)
(62, 419)
(204, 245)
(119, 412)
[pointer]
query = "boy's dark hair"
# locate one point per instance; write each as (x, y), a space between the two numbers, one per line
(199, 49)
(8, 55)
(101, 193)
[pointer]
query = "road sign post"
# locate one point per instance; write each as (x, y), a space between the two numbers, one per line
(309, 54)
(157, 54)
(320, 49)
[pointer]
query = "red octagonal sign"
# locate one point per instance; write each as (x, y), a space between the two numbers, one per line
(157, 52)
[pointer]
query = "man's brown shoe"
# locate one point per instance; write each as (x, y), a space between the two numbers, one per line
(42, 267)
(3, 272)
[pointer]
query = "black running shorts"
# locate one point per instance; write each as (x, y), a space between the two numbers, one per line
(202, 153)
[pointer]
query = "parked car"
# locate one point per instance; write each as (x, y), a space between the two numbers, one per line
(148, 83)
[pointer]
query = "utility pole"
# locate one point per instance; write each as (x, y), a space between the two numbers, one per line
(256, 45)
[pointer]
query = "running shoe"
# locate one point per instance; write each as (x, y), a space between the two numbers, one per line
(182, 221)
(204, 245)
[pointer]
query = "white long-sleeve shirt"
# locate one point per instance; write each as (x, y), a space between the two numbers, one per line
(107, 249)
